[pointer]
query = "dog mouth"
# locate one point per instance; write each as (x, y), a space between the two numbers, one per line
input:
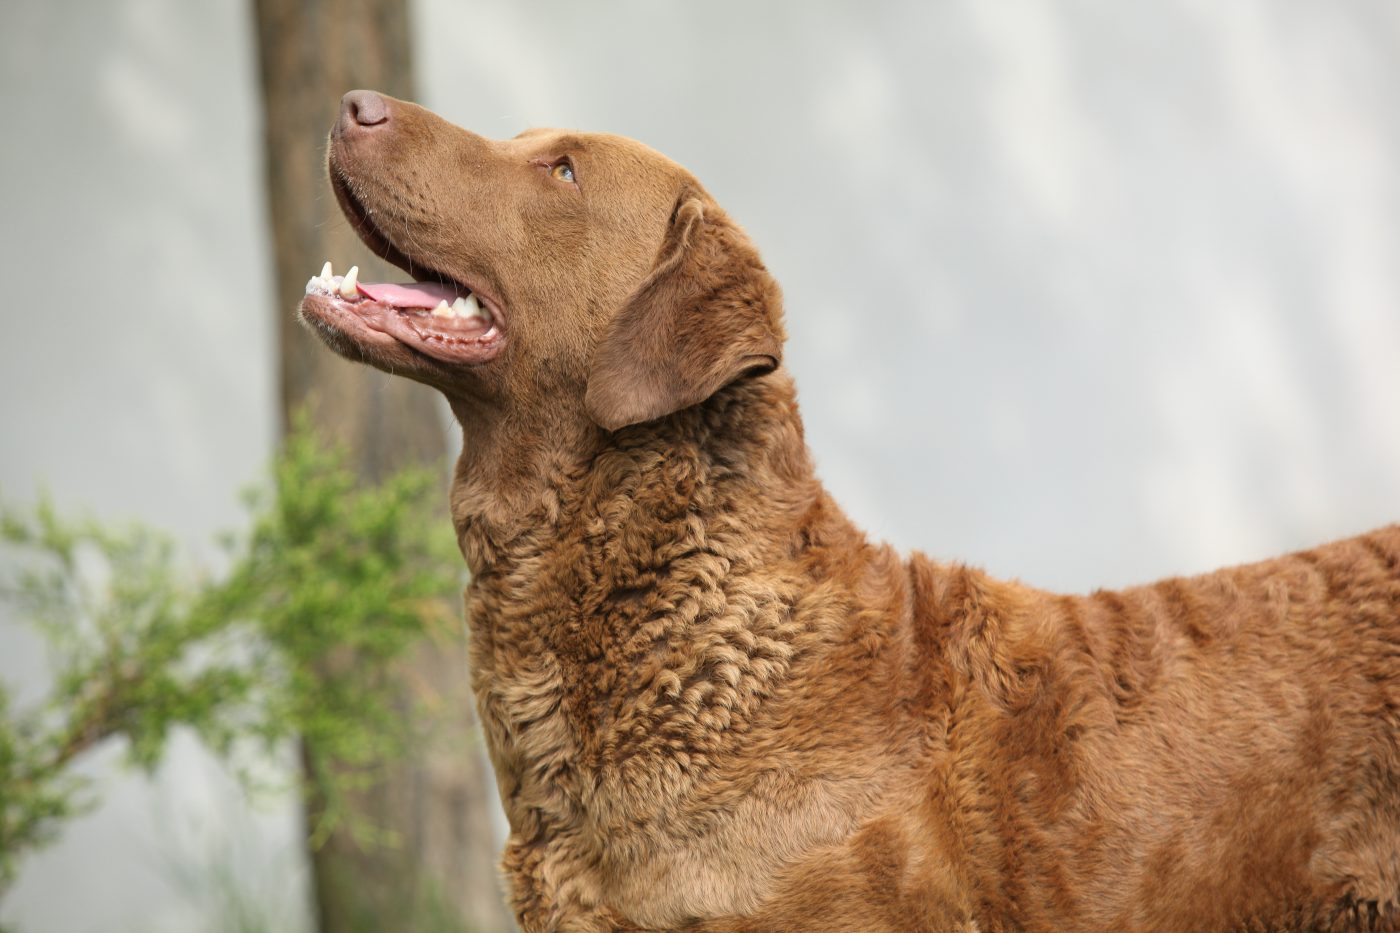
(445, 321)
(436, 316)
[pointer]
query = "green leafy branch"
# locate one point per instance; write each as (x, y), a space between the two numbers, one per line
(332, 584)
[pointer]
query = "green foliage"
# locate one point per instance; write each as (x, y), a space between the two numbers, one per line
(332, 584)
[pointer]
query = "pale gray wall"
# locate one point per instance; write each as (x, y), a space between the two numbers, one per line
(1086, 293)
(136, 380)
(1082, 293)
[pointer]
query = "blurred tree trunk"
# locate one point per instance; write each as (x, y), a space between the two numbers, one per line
(439, 873)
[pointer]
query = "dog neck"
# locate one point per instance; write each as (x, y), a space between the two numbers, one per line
(526, 472)
(638, 611)
(581, 572)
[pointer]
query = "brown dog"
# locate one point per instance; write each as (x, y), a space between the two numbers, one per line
(712, 704)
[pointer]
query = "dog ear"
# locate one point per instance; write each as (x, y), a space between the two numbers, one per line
(708, 314)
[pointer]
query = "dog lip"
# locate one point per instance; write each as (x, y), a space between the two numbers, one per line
(348, 333)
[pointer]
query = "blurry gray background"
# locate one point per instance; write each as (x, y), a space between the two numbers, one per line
(1082, 293)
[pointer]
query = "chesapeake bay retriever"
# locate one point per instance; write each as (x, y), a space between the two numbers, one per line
(713, 704)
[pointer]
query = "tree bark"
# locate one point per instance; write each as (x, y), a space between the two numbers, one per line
(440, 873)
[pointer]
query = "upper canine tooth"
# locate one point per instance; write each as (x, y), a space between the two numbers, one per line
(347, 286)
(326, 272)
(442, 310)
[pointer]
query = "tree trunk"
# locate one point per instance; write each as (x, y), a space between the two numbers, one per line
(439, 873)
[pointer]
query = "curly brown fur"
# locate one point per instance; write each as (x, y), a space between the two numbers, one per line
(714, 705)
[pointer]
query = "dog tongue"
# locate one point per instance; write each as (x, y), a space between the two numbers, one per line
(409, 294)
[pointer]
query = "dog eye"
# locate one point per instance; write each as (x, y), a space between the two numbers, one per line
(563, 171)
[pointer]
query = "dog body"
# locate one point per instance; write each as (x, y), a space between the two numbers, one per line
(690, 719)
(712, 704)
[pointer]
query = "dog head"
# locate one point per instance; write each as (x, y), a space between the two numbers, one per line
(580, 271)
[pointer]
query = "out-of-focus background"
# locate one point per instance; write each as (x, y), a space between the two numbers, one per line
(1084, 294)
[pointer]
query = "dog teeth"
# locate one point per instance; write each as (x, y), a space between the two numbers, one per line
(347, 285)
(463, 307)
(469, 307)
(322, 282)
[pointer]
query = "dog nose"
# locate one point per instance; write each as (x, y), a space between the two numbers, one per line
(361, 111)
